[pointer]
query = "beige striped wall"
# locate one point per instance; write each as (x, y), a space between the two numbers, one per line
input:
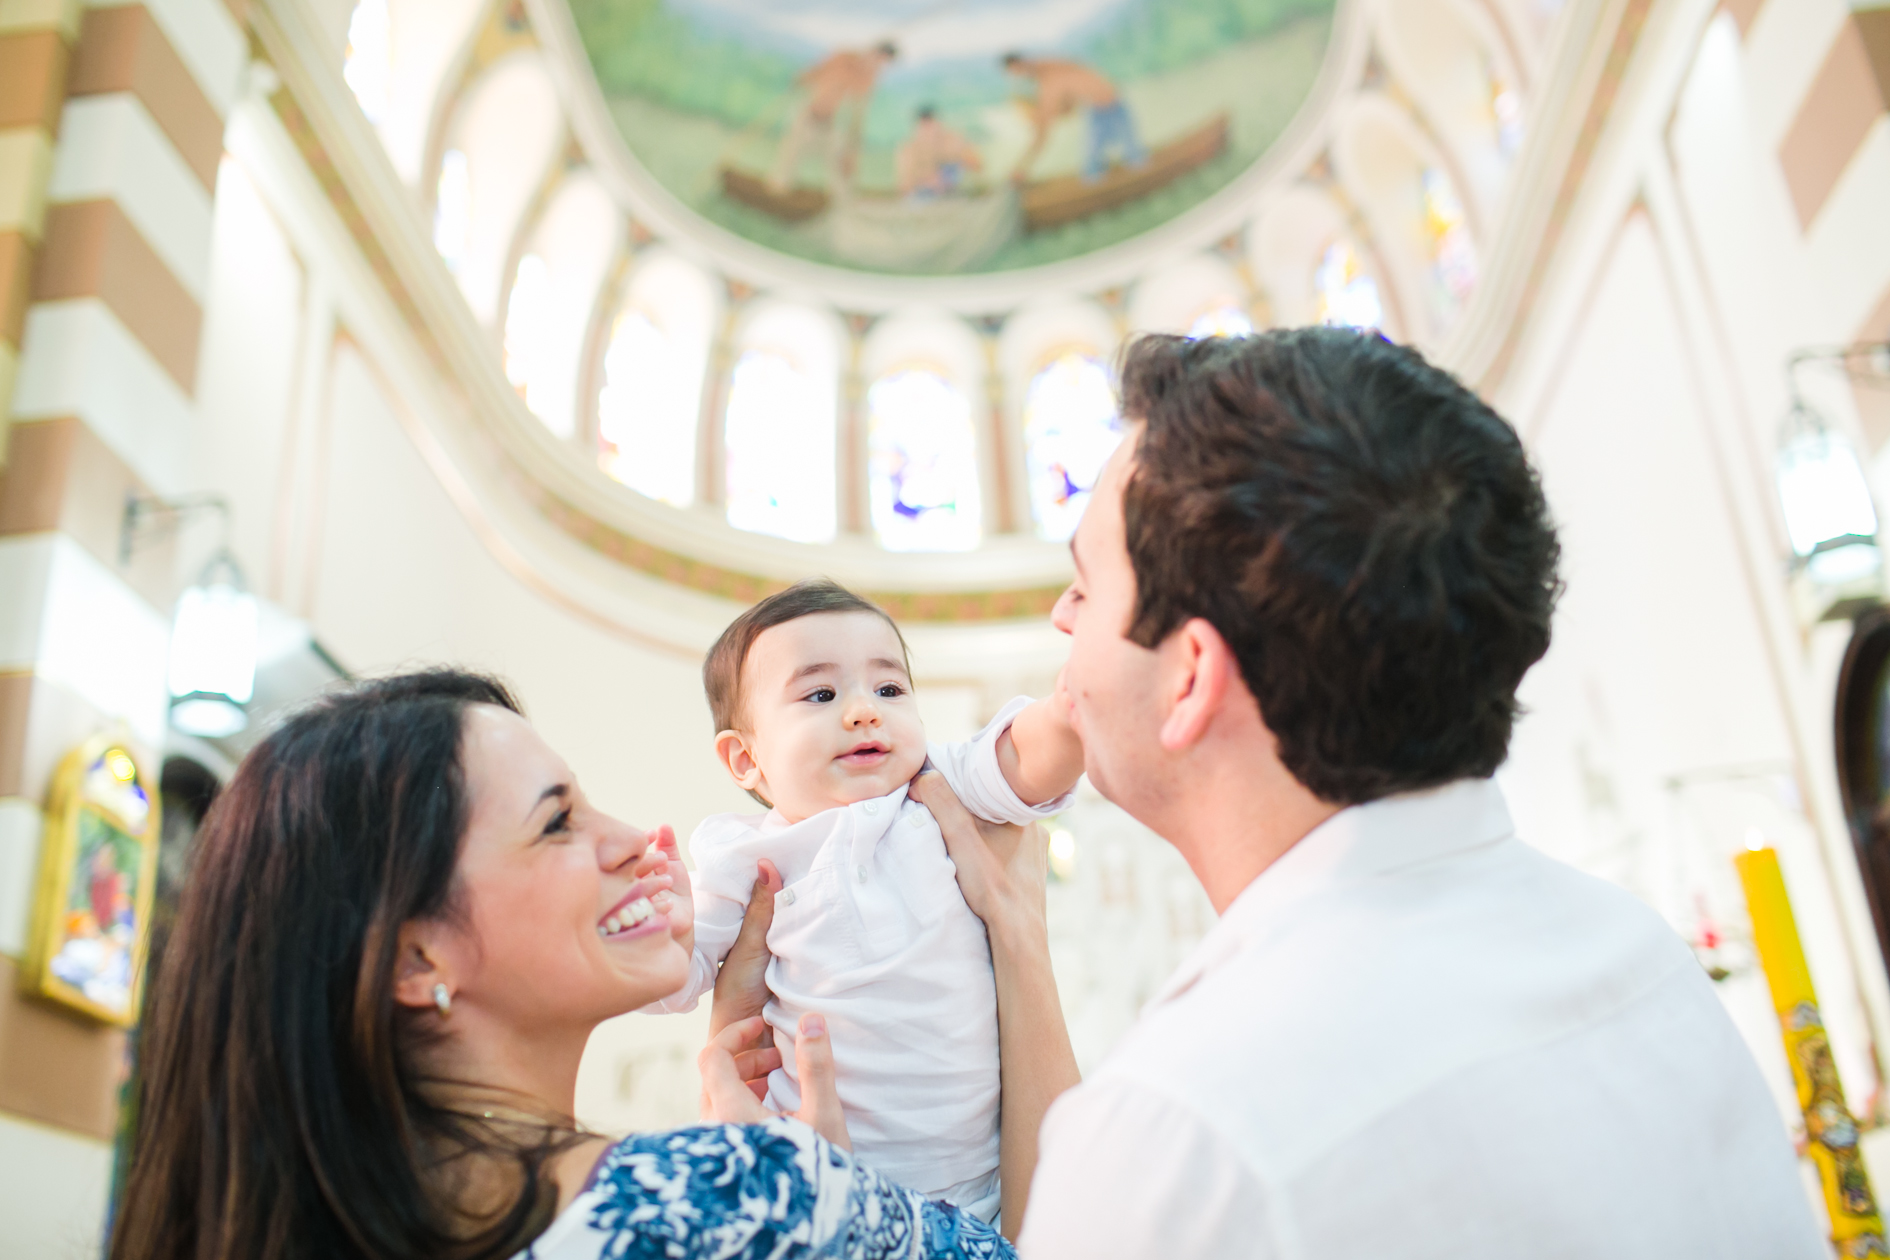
(111, 130)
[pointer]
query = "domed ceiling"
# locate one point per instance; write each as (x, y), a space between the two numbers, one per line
(890, 136)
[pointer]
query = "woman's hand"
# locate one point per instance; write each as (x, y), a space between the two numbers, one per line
(1002, 869)
(735, 1056)
(741, 986)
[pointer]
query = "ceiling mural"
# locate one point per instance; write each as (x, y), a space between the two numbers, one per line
(925, 137)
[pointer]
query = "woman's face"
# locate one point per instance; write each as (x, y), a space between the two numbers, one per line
(558, 935)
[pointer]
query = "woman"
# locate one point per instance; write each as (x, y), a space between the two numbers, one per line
(403, 922)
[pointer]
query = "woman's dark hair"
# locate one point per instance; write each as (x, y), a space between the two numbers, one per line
(1365, 533)
(281, 1114)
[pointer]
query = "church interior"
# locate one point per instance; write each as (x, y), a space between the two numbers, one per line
(544, 336)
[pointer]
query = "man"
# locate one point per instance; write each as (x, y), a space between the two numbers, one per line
(935, 159)
(1307, 587)
(1062, 88)
(845, 78)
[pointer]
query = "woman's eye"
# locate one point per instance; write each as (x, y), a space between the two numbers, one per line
(822, 695)
(559, 824)
(891, 691)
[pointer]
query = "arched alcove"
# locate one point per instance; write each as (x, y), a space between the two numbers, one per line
(780, 428)
(424, 39)
(1405, 190)
(924, 380)
(1199, 295)
(1313, 266)
(505, 134)
(656, 358)
(554, 296)
(1059, 394)
(1450, 58)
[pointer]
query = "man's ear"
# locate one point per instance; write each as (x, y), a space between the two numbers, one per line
(732, 747)
(420, 964)
(1198, 673)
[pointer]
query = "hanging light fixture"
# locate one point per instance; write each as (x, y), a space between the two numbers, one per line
(1829, 514)
(213, 652)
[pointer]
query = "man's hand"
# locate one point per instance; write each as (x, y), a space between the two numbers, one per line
(1003, 869)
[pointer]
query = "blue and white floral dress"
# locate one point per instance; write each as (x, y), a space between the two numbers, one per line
(743, 1192)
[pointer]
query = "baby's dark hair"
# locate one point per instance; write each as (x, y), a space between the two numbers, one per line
(722, 671)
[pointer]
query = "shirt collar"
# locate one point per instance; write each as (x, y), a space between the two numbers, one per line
(1355, 844)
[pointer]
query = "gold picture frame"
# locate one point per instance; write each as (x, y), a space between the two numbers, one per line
(97, 869)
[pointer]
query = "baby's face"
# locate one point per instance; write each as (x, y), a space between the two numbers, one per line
(830, 713)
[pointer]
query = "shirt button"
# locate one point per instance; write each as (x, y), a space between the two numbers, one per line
(786, 897)
(872, 807)
(916, 819)
(861, 872)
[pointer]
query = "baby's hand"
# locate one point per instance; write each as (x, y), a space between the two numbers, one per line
(681, 904)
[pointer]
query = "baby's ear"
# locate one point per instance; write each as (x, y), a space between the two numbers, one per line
(732, 748)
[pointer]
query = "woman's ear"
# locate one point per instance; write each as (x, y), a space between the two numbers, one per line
(420, 965)
(732, 747)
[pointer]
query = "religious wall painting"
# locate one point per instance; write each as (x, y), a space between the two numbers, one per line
(950, 136)
(92, 907)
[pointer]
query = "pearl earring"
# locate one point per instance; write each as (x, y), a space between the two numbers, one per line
(443, 1000)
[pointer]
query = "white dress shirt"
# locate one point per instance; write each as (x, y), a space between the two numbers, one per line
(871, 931)
(1415, 1036)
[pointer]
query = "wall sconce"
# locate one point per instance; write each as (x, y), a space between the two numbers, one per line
(1830, 515)
(212, 673)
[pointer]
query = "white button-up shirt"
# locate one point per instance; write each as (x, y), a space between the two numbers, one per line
(871, 931)
(1415, 1036)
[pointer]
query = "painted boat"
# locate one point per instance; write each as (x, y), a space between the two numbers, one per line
(793, 206)
(1053, 202)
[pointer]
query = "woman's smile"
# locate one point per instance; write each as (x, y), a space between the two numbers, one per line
(641, 912)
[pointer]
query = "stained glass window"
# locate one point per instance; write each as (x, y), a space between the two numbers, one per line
(650, 405)
(1223, 319)
(367, 65)
(1343, 293)
(779, 436)
(922, 463)
(1453, 253)
(527, 318)
(1070, 428)
(452, 209)
(1506, 106)
(646, 411)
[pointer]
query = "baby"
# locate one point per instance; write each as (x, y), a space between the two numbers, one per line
(812, 696)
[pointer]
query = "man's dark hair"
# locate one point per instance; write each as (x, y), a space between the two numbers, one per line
(1010, 59)
(926, 112)
(1365, 533)
(887, 49)
(722, 669)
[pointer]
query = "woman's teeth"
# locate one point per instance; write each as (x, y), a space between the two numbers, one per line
(628, 917)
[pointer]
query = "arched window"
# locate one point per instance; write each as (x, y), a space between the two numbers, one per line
(368, 64)
(651, 401)
(1070, 429)
(554, 292)
(778, 431)
(508, 131)
(1343, 293)
(922, 463)
(1453, 253)
(452, 209)
(1506, 109)
(1223, 319)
